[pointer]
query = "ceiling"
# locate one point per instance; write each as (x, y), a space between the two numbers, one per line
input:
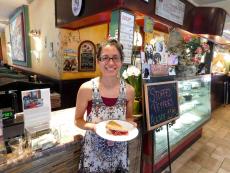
(7, 8)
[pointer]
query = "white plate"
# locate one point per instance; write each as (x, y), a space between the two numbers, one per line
(132, 131)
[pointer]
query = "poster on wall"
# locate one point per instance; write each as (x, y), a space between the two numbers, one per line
(86, 56)
(70, 61)
(148, 24)
(19, 39)
(126, 34)
(122, 29)
(172, 10)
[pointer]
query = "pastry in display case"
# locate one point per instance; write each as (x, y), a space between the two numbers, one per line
(195, 109)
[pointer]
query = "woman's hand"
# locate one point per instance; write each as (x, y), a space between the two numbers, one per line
(132, 122)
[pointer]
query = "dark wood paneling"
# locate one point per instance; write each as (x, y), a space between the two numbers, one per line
(99, 11)
(66, 19)
(217, 90)
(199, 20)
(1, 57)
(68, 91)
(205, 20)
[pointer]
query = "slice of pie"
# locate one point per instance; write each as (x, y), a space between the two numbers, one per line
(116, 129)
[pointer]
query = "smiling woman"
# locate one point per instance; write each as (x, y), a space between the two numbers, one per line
(107, 97)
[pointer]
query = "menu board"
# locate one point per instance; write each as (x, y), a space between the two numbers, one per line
(87, 56)
(172, 10)
(122, 29)
(161, 101)
(126, 34)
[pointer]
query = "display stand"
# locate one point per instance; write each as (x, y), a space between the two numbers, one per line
(169, 155)
(162, 108)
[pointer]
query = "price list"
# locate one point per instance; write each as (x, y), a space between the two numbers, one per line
(126, 35)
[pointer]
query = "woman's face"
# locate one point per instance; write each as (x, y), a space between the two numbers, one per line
(110, 61)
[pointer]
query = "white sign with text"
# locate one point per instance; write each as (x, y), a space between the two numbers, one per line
(172, 10)
(36, 109)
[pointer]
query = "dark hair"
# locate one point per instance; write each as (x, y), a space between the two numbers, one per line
(111, 42)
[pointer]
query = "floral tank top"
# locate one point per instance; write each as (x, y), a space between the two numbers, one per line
(100, 155)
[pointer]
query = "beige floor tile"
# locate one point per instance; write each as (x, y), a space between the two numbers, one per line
(186, 156)
(222, 171)
(208, 148)
(226, 164)
(204, 170)
(211, 153)
(222, 151)
(189, 167)
(218, 157)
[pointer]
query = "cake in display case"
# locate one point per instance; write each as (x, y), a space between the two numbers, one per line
(195, 109)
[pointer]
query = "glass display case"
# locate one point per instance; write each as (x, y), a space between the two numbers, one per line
(195, 109)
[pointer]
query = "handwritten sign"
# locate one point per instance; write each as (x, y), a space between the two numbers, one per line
(172, 10)
(161, 100)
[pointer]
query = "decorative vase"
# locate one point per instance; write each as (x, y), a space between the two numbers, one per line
(186, 70)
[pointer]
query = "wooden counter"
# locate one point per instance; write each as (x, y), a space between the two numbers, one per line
(64, 157)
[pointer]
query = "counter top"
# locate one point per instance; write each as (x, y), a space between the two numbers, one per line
(63, 157)
(70, 135)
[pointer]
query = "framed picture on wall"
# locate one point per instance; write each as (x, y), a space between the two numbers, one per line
(87, 56)
(19, 38)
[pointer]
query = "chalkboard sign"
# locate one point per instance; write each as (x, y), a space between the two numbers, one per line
(87, 56)
(161, 100)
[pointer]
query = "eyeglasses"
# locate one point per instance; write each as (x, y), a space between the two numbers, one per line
(106, 59)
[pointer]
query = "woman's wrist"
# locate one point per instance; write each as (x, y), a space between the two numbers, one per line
(91, 126)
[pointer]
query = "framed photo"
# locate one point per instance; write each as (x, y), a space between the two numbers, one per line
(19, 38)
(87, 56)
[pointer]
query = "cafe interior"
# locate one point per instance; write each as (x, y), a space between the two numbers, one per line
(48, 49)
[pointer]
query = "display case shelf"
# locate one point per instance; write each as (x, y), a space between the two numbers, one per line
(195, 110)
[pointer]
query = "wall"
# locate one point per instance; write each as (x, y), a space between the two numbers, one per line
(42, 17)
(47, 50)
(72, 39)
(3, 44)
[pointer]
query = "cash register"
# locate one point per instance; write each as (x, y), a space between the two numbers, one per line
(13, 126)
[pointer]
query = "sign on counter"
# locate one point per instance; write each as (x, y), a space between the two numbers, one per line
(36, 109)
(161, 101)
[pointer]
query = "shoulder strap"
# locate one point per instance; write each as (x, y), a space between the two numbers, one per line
(95, 92)
(122, 89)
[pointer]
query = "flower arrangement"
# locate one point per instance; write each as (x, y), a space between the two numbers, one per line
(190, 50)
(132, 75)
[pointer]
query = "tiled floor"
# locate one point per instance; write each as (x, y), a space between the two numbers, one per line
(211, 153)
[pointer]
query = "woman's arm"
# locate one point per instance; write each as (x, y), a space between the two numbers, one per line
(83, 96)
(130, 101)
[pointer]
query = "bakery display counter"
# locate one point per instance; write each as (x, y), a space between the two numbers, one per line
(195, 109)
(194, 96)
(64, 155)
